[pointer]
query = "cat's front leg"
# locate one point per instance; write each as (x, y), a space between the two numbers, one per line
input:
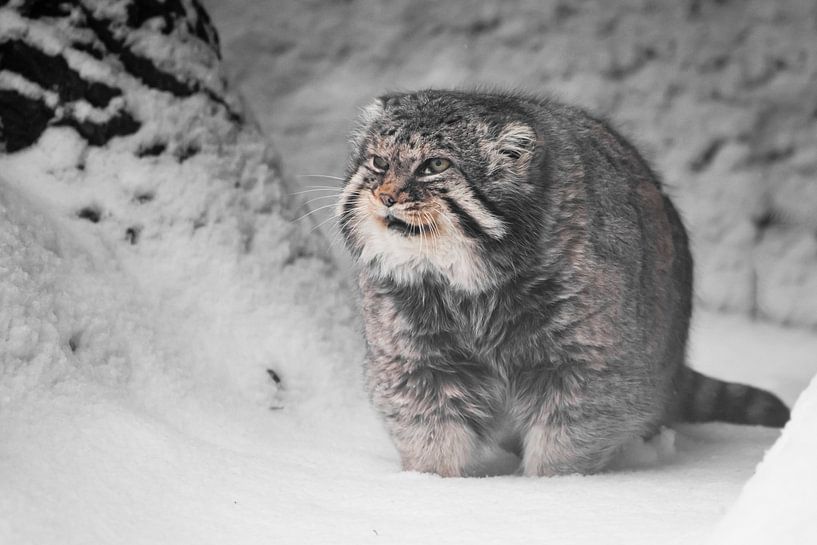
(434, 445)
(572, 424)
(434, 412)
(555, 448)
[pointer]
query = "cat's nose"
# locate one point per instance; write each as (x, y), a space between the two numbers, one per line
(387, 199)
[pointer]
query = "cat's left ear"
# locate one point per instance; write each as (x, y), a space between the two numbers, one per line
(511, 151)
(368, 115)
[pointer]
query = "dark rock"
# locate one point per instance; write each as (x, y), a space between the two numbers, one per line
(22, 120)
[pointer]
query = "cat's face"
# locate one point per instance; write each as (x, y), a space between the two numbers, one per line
(432, 187)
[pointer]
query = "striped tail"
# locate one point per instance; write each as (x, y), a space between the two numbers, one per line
(707, 399)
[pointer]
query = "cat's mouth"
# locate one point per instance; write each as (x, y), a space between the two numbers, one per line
(404, 228)
(404, 225)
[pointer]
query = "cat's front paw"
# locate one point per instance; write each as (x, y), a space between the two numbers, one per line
(444, 449)
(442, 468)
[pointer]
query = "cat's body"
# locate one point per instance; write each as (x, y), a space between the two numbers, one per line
(524, 280)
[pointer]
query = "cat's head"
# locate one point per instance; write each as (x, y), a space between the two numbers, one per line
(439, 185)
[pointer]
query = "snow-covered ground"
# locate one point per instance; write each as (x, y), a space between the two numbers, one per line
(135, 405)
(140, 443)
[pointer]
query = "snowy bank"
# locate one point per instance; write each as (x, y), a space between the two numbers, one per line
(779, 504)
(185, 213)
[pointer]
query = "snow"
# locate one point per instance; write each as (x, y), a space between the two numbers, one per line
(717, 95)
(735, 349)
(140, 437)
(9, 80)
(135, 406)
(779, 504)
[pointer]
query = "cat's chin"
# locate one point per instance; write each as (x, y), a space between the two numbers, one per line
(411, 254)
(462, 276)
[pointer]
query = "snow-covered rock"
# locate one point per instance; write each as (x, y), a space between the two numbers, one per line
(184, 212)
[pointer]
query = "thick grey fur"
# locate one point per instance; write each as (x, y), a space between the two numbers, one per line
(576, 344)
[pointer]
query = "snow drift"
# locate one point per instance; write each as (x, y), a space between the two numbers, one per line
(779, 504)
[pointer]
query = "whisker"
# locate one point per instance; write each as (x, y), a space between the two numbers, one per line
(420, 248)
(335, 235)
(345, 217)
(321, 197)
(438, 240)
(327, 220)
(445, 216)
(318, 188)
(335, 227)
(423, 231)
(347, 221)
(358, 221)
(313, 211)
(434, 230)
(433, 225)
(320, 176)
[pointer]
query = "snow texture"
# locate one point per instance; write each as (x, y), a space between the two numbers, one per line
(779, 504)
(143, 296)
(720, 95)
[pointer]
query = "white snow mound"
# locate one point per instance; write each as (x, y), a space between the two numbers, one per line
(779, 504)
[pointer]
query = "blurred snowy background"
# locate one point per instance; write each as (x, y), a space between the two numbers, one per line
(720, 95)
(153, 266)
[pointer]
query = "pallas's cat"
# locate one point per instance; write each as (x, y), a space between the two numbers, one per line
(525, 280)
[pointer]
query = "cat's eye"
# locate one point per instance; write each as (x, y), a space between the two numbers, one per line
(434, 165)
(379, 163)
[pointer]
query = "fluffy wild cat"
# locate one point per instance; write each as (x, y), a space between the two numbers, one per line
(525, 281)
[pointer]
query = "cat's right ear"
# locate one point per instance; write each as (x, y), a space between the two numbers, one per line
(509, 150)
(372, 111)
(368, 115)
(516, 141)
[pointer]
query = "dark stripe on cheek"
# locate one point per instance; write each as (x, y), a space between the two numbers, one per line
(485, 202)
(467, 222)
